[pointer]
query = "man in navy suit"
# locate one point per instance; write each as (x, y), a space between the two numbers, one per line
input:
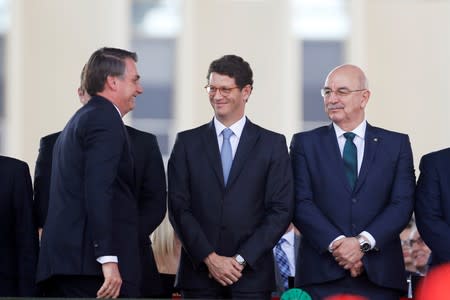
(229, 216)
(90, 242)
(150, 190)
(432, 208)
(353, 198)
(18, 232)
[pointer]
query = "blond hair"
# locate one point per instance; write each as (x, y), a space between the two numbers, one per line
(166, 247)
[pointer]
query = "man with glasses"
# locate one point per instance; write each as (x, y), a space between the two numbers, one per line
(354, 190)
(230, 194)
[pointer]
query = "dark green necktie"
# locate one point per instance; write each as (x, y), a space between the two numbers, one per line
(350, 159)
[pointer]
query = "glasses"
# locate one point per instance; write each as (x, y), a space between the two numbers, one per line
(224, 91)
(417, 241)
(342, 92)
(406, 243)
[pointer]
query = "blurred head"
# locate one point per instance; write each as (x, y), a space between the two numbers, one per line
(420, 253)
(112, 73)
(406, 248)
(82, 94)
(345, 96)
(230, 83)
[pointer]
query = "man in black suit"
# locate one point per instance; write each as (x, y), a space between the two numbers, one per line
(19, 237)
(150, 190)
(90, 242)
(229, 215)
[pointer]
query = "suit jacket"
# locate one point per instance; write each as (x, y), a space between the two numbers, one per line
(326, 207)
(278, 281)
(150, 192)
(19, 237)
(432, 209)
(92, 209)
(246, 217)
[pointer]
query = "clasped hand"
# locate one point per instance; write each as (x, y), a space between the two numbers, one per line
(225, 270)
(348, 255)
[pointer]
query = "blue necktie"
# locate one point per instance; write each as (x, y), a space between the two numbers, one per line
(282, 262)
(350, 157)
(226, 154)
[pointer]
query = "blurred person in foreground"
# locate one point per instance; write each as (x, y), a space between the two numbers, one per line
(432, 207)
(90, 242)
(19, 235)
(150, 191)
(354, 190)
(230, 194)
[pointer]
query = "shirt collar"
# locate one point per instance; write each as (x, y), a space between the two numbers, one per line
(237, 127)
(360, 130)
(289, 237)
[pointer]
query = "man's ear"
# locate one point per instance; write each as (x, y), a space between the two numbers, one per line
(110, 82)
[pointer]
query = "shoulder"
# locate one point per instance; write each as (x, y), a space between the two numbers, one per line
(265, 134)
(50, 139)
(437, 157)
(385, 133)
(133, 132)
(9, 164)
(311, 134)
(196, 132)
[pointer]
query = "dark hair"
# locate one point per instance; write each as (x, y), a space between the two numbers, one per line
(103, 63)
(233, 66)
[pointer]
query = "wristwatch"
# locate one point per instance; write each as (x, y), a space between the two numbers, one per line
(240, 260)
(364, 245)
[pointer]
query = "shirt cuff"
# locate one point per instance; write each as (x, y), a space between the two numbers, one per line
(331, 244)
(369, 238)
(107, 259)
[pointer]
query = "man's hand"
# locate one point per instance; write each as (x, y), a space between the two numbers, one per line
(226, 270)
(113, 281)
(347, 252)
(357, 269)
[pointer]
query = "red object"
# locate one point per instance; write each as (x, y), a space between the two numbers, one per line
(436, 285)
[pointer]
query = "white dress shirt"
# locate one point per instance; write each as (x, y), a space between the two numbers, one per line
(235, 137)
(360, 132)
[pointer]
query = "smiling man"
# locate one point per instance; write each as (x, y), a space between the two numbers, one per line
(89, 244)
(354, 189)
(230, 194)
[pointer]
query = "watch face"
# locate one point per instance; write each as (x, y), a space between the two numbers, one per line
(240, 259)
(365, 247)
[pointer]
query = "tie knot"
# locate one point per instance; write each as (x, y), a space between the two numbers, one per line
(349, 136)
(227, 133)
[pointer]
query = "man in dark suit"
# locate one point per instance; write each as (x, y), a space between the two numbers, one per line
(150, 190)
(230, 214)
(90, 242)
(354, 191)
(432, 209)
(18, 232)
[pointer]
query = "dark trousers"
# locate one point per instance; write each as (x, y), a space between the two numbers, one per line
(72, 286)
(223, 293)
(360, 286)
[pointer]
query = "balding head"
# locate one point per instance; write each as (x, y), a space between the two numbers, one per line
(345, 96)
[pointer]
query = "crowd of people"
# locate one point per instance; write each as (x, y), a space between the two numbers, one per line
(241, 217)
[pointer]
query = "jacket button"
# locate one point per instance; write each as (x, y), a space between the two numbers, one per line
(354, 200)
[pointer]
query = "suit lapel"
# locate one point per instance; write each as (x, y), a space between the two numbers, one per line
(371, 142)
(249, 137)
(212, 150)
(332, 151)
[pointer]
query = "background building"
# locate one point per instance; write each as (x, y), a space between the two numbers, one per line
(403, 45)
